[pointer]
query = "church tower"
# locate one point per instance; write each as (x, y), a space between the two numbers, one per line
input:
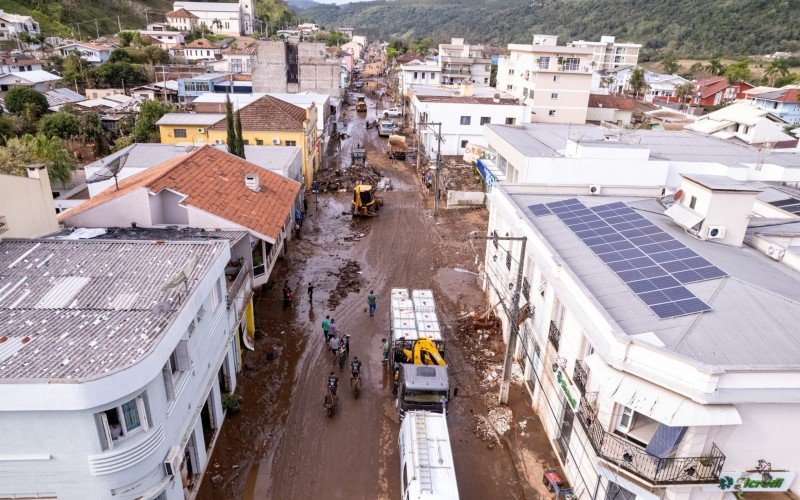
(247, 16)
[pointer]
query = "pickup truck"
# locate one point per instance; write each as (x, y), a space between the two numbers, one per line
(393, 112)
(386, 128)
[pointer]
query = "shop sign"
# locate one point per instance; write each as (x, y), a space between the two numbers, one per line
(734, 482)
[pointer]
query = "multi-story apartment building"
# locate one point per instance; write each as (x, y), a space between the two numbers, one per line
(464, 63)
(115, 355)
(13, 25)
(608, 54)
(656, 373)
(555, 81)
(427, 73)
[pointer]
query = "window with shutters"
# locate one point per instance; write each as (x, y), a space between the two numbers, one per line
(123, 421)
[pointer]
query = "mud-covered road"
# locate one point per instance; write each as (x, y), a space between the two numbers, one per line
(282, 445)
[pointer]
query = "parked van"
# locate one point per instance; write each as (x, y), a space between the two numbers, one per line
(426, 460)
(386, 128)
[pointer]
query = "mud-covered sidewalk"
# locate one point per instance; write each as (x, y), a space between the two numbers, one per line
(282, 445)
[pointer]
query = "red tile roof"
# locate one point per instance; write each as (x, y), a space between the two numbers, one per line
(712, 85)
(612, 102)
(181, 13)
(213, 181)
(201, 43)
(269, 113)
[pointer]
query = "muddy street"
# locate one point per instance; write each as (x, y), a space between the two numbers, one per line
(282, 445)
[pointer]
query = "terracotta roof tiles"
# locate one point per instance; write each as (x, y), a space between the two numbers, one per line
(269, 113)
(181, 13)
(213, 181)
(611, 101)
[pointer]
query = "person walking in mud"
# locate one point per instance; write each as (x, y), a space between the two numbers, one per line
(334, 344)
(326, 323)
(372, 302)
(310, 292)
(287, 295)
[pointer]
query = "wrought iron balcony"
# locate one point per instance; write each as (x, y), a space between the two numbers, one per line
(635, 460)
(554, 336)
(581, 375)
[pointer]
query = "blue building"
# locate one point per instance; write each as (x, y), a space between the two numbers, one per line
(781, 102)
(219, 83)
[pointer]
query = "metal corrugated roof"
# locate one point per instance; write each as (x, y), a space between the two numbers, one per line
(206, 119)
(758, 311)
(85, 306)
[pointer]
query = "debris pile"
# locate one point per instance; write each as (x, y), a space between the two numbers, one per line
(335, 179)
(350, 280)
(492, 427)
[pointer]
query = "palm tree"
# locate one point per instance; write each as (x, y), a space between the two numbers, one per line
(217, 23)
(682, 92)
(778, 68)
(715, 67)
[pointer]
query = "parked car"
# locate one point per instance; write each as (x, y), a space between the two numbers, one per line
(394, 112)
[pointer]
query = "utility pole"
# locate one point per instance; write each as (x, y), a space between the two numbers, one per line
(119, 23)
(146, 17)
(97, 28)
(511, 346)
(438, 163)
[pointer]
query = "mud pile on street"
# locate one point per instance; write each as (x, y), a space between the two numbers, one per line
(335, 179)
(350, 280)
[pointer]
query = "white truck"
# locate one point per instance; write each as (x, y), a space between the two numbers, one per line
(426, 459)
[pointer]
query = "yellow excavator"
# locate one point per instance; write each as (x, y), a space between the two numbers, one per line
(423, 352)
(365, 203)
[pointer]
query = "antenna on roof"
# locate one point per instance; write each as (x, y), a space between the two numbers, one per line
(182, 276)
(109, 170)
(763, 152)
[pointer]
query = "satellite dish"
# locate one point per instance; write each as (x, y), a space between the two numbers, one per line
(678, 195)
(109, 170)
(181, 276)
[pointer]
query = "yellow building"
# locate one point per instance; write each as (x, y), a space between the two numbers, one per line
(267, 121)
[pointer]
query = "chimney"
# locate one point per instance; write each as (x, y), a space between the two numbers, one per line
(251, 182)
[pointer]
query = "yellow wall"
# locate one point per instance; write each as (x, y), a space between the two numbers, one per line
(306, 140)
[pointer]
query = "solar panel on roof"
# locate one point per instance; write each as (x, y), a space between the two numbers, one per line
(791, 205)
(539, 210)
(653, 264)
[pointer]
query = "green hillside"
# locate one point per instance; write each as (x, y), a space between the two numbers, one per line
(88, 17)
(691, 27)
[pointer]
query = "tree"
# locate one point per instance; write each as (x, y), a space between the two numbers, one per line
(6, 130)
(231, 126)
(22, 151)
(493, 76)
(682, 92)
(239, 136)
(62, 124)
(156, 55)
(670, 64)
(118, 74)
(637, 81)
(738, 71)
(695, 69)
(150, 111)
(125, 38)
(23, 99)
(778, 68)
(715, 67)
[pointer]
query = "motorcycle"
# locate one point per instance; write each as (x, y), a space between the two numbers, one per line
(355, 384)
(331, 400)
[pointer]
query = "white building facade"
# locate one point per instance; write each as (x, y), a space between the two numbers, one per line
(419, 74)
(128, 403)
(13, 25)
(462, 63)
(463, 119)
(608, 54)
(634, 405)
(222, 18)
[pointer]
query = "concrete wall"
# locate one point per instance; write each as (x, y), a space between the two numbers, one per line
(465, 198)
(27, 205)
(316, 72)
(269, 67)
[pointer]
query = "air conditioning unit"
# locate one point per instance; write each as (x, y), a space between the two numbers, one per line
(775, 252)
(715, 232)
(594, 189)
(276, 142)
(172, 463)
(201, 131)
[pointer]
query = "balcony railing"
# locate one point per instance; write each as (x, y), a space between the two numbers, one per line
(554, 335)
(581, 375)
(635, 460)
(235, 285)
(455, 71)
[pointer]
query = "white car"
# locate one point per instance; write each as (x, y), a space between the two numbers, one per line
(394, 112)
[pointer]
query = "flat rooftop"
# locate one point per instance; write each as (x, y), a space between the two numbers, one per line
(549, 140)
(752, 323)
(80, 310)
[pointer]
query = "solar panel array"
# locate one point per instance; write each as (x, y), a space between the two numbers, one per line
(540, 210)
(653, 264)
(791, 205)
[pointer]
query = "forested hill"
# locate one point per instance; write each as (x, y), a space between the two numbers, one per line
(690, 27)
